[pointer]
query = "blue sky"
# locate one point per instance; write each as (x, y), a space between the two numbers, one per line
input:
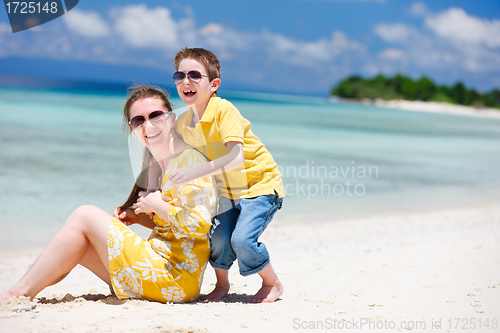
(295, 46)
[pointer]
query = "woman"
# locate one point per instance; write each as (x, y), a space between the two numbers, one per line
(169, 266)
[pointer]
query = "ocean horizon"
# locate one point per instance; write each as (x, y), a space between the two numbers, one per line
(66, 148)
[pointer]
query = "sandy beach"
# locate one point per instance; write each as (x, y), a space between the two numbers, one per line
(437, 107)
(428, 272)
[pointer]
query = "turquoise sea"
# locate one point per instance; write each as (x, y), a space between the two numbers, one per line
(63, 149)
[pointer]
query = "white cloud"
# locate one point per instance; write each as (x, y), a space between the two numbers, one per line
(4, 28)
(151, 34)
(457, 26)
(381, 1)
(451, 43)
(419, 9)
(298, 50)
(142, 27)
(228, 42)
(211, 29)
(87, 24)
(394, 32)
(340, 42)
(309, 53)
(187, 33)
(454, 42)
(392, 54)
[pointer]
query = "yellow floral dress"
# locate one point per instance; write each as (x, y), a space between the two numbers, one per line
(169, 266)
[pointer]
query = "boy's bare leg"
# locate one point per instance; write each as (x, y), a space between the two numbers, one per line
(221, 287)
(271, 287)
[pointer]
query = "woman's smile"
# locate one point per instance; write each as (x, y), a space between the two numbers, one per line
(152, 132)
(151, 136)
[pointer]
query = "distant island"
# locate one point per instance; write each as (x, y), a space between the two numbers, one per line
(401, 87)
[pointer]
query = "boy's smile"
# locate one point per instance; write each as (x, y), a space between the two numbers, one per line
(189, 93)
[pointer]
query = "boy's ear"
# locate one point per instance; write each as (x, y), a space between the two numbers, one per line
(215, 83)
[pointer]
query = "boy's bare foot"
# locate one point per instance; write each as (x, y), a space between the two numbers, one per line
(216, 295)
(271, 287)
(221, 287)
(267, 294)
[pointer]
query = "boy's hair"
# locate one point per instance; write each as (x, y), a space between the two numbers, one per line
(206, 57)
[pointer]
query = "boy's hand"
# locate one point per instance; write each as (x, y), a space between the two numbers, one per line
(183, 176)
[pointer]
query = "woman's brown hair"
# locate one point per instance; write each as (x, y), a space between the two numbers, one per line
(135, 93)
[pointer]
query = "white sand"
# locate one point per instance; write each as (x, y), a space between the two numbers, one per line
(420, 269)
(438, 107)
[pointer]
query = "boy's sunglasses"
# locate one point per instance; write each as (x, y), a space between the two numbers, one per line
(193, 76)
(155, 117)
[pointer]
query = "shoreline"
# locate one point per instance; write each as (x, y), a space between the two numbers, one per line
(422, 269)
(431, 107)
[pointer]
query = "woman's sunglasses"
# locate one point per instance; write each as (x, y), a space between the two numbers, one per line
(155, 117)
(193, 76)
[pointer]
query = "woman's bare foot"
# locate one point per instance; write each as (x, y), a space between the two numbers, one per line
(267, 294)
(9, 294)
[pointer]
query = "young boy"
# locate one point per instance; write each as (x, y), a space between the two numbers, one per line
(248, 181)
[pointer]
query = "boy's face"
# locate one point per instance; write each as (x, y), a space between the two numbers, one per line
(196, 94)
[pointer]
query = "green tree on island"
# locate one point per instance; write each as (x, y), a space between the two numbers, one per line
(403, 87)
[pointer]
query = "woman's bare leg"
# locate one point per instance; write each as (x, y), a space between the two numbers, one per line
(93, 263)
(86, 228)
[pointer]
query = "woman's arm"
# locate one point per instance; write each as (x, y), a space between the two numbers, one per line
(191, 215)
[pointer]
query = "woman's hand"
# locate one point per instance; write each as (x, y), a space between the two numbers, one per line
(126, 216)
(150, 202)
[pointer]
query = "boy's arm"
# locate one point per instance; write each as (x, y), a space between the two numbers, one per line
(235, 158)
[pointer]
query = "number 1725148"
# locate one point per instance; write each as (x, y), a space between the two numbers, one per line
(31, 7)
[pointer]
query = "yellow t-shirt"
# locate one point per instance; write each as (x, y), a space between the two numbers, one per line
(220, 124)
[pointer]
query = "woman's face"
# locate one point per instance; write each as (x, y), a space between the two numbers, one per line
(153, 134)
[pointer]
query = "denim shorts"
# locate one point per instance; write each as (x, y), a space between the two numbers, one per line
(236, 231)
